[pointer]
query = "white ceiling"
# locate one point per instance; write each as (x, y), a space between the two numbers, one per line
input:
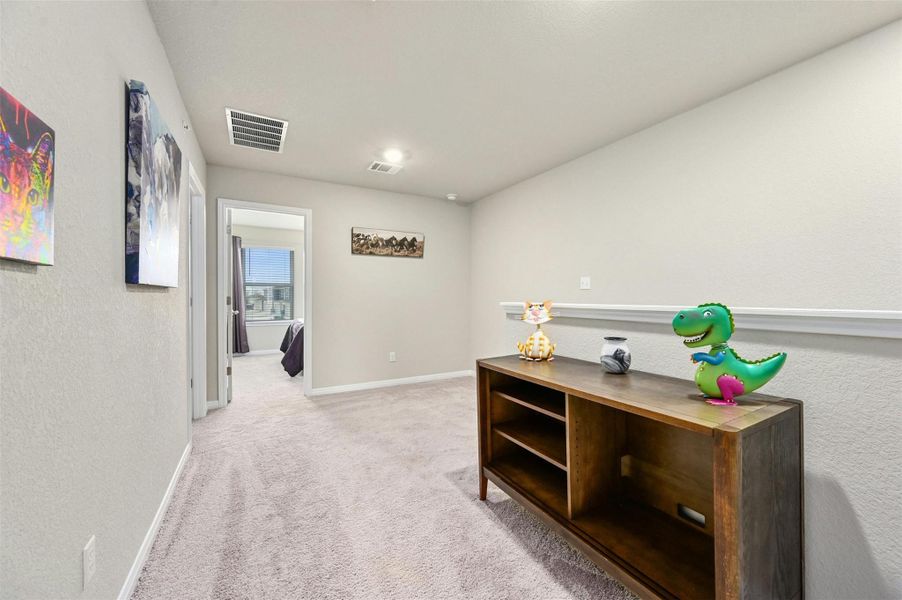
(480, 94)
(259, 218)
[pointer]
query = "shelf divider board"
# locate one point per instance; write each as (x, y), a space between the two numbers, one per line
(595, 439)
(545, 405)
(542, 437)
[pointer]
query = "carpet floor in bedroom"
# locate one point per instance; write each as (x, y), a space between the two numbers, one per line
(365, 495)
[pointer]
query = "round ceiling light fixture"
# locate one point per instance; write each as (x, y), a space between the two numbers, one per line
(451, 197)
(393, 155)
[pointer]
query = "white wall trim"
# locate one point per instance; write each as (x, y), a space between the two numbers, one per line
(128, 588)
(369, 385)
(866, 323)
(197, 297)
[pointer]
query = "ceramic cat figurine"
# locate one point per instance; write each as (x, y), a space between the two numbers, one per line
(538, 346)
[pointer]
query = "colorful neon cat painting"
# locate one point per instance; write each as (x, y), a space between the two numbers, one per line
(26, 184)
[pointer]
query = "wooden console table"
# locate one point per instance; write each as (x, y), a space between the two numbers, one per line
(674, 497)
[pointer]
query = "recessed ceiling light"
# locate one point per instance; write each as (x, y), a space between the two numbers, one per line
(393, 155)
(451, 197)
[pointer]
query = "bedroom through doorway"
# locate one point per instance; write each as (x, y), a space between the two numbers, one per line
(263, 330)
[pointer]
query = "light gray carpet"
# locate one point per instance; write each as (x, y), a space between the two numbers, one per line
(366, 495)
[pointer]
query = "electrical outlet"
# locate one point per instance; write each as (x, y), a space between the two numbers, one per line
(89, 562)
(585, 282)
(392, 357)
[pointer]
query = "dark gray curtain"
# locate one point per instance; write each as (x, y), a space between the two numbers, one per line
(239, 331)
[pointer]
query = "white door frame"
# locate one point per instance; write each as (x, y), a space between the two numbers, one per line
(222, 280)
(197, 296)
(228, 264)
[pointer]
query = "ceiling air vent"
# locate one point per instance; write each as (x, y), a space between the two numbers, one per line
(256, 131)
(378, 166)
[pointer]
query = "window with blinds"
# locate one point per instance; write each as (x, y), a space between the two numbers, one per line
(268, 283)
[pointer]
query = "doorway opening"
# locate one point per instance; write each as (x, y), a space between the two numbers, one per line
(264, 297)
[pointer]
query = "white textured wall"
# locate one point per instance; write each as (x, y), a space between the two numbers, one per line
(268, 336)
(786, 193)
(265, 337)
(365, 306)
(93, 384)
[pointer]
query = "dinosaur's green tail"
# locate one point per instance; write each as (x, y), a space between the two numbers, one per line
(762, 371)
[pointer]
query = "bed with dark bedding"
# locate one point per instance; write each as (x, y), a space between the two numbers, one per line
(293, 348)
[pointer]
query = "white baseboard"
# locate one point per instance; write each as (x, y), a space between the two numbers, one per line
(369, 385)
(257, 353)
(128, 588)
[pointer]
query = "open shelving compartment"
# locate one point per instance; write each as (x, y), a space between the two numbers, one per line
(644, 493)
(627, 469)
(529, 440)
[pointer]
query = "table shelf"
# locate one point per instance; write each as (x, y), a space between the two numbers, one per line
(543, 437)
(648, 480)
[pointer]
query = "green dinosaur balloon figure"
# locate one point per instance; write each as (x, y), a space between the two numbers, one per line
(722, 374)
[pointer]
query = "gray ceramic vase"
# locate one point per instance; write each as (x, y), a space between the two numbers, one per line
(615, 355)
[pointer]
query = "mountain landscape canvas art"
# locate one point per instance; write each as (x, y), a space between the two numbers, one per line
(152, 211)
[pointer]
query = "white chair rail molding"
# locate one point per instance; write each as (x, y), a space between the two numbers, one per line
(864, 323)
